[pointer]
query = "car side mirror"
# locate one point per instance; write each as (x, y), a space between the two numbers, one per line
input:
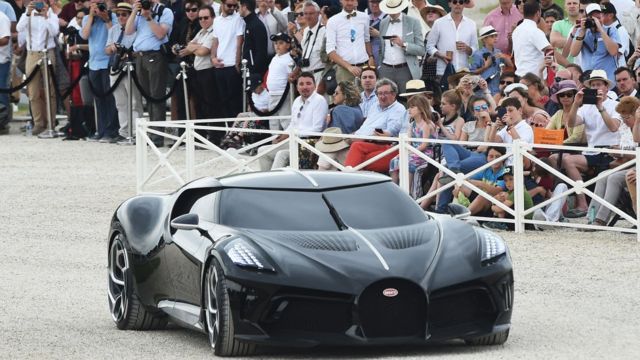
(186, 222)
(458, 211)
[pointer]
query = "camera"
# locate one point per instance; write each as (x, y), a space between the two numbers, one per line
(145, 4)
(176, 48)
(102, 7)
(589, 23)
(487, 55)
(39, 5)
(304, 63)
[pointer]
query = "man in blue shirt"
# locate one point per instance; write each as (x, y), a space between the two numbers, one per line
(95, 28)
(152, 27)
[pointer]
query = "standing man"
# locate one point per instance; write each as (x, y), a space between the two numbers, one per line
(254, 47)
(95, 29)
(226, 53)
(270, 23)
(561, 29)
(368, 98)
(402, 43)
(312, 39)
(530, 43)
(348, 43)
(504, 18)
(41, 27)
(452, 39)
(550, 5)
(152, 27)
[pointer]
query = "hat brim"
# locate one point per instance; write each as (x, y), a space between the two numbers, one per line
(423, 11)
(411, 92)
(123, 9)
(329, 148)
(588, 81)
(395, 10)
(490, 33)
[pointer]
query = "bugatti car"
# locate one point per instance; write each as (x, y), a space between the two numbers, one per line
(303, 259)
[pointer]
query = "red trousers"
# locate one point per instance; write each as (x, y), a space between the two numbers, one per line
(361, 151)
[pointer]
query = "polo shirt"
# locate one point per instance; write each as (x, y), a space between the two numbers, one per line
(308, 115)
(98, 59)
(503, 23)
(595, 129)
(528, 42)
(389, 119)
(203, 38)
(528, 201)
(563, 27)
(227, 29)
(146, 40)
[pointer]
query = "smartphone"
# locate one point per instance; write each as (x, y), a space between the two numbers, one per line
(387, 37)
(39, 6)
(291, 16)
(501, 111)
(590, 96)
(378, 130)
(450, 54)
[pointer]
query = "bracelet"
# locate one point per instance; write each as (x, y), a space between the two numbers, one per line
(580, 38)
(601, 110)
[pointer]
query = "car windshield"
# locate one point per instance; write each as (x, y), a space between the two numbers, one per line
(366, 207)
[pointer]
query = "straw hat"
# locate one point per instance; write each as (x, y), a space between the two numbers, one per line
(328, 143)
(124, 7)
(393, 6)
(415, 87)
(438, 8)
(563, 87)
(598, 75)
(514, 86)
(487, 31)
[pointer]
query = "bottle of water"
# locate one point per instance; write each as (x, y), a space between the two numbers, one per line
(29, 129)
(591, 214)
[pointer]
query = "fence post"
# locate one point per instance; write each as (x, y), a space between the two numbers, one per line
(637, 194)
(141, 153)
(190, 150)
(293, 149)
(403, 163)
(518, 180)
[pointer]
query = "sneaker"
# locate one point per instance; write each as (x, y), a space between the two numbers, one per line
(540, 216)
(445, 179)
(106, 140)
(126, 141)
(491, 225)
(37, 131)
(93, 138)
(117, 139)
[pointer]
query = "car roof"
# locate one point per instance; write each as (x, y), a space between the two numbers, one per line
(290, 179)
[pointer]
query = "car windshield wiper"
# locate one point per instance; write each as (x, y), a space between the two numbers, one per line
(334, 214)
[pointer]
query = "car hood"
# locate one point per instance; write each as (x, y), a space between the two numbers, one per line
(348, 260)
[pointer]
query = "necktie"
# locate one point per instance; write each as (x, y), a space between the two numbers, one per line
(395, 21)
(120, 36)
(306, 41)
(350, 15)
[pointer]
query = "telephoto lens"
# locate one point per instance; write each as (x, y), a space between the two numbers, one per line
(146, 4)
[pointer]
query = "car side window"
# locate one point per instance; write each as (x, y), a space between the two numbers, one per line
(204, 207)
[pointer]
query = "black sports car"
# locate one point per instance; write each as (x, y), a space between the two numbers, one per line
(303, 259)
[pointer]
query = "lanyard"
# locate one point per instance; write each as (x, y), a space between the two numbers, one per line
(307, 52)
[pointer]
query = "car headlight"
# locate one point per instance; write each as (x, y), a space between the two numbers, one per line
(492, 246)
(246, 256)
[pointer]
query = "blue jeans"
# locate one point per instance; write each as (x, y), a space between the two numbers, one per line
(4, 83)
(459, 159)
(105, 105)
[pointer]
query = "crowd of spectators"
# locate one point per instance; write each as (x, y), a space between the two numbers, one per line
(375, 68)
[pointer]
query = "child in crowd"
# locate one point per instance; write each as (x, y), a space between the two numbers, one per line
(280, 68)
(488, 60)
(507, 198)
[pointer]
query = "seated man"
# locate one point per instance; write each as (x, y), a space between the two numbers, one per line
(601, 129)
(512, 126)
(386, 120)
(308, 114)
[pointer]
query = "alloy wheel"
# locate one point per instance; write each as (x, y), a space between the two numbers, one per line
(118, 268)
(211, 300)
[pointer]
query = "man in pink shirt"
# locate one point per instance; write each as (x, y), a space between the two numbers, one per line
(503, 18)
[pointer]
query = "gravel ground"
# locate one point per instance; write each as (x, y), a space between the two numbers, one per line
(576, 294)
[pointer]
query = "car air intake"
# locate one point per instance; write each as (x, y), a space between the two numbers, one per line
(406, 237)
(322, 241)
(393, 308)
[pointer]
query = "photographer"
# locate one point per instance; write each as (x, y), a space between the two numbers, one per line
(152, 24)
(95, 28)
(597, 44)
(118, 48)
(77, 56)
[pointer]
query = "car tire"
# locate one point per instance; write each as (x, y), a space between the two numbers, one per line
(493, 339)
(126, 309)
(218, 317)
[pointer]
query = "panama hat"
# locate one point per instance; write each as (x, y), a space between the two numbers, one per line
(393, 6)
(514, 86)
(429, 7)
(487, 31)
(328, 143)
(563, 87)
(415, 87)
(124, 7)
(598, 75)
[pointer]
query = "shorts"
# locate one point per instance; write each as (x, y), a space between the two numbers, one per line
(599, 161)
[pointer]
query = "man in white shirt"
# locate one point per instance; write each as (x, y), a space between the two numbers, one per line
(402, 43)
(348, 41)
(452, 39)
(270, 23)
(226, 53)
(41, 27)
(513, 126)
(529, 43)
(312, 39)
(308, 114)
(601, 125)
(368, 97)
(5, 66)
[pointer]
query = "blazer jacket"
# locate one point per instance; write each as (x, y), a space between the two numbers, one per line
(412, 35)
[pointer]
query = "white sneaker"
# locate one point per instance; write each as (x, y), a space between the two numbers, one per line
(539, 215)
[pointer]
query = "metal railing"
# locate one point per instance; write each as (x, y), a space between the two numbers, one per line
(237, 163)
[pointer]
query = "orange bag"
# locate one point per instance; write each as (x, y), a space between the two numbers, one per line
(548, 137)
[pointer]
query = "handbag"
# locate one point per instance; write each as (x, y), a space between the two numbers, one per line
(330, 82)
(444, 81)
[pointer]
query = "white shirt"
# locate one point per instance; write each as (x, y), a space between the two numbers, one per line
(227, 29)
(309, 115)
(524, 130)
(311, 46)
(595, 129)
(443, 37)
(42, 30)
(203, 38)
(393, 55)
(624, 42)
(414, 12)
(271, 24)
(528, 42)
(5, 31)
(340, 32)
(279, 70)
(216, 8)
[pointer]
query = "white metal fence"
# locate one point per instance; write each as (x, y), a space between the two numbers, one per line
(239, 161)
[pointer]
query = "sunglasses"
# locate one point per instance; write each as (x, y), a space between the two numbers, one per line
(504, 82)
(353, 35)
(567, 94)
(193, 9)
(481, 107)
(459, 2)
(122, 15)
(231, 6)
(299, 14)
(204, 18)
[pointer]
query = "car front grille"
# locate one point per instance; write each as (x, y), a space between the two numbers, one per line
(462, 309)
(393, 308)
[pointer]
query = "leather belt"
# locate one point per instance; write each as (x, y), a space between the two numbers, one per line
(396, 66)
(361, 64)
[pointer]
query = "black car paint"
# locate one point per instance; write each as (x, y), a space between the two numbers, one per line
(165, 270)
